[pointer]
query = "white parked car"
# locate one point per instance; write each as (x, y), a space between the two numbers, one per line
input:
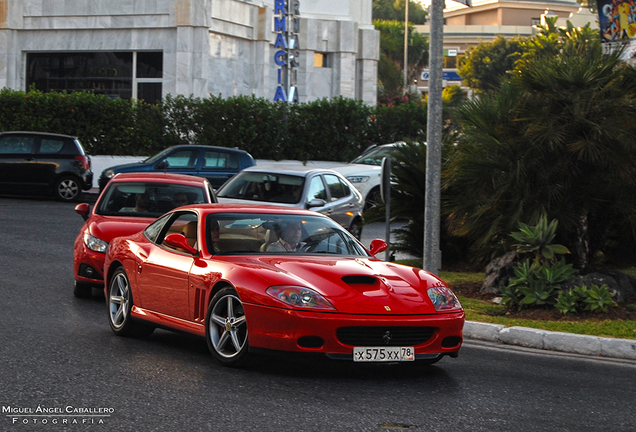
(294, 185)
(365, 172)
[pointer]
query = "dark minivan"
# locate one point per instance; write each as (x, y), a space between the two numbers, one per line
(44, 162)
(217, 164)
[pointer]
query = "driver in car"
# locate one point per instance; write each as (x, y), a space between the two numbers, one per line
(289, 240)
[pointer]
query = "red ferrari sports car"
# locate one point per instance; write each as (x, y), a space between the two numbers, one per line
(251, 277)
(127, 205)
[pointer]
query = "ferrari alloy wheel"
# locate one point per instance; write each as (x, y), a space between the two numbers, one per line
(226, 328)
(68, 189)
(120, 304)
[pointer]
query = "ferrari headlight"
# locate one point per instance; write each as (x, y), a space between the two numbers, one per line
(443, 299)
(109, 173)
(95, 244)
(358, 179)
(299, 297)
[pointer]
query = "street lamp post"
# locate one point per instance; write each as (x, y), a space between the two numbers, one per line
(406, 42)
(432, 261)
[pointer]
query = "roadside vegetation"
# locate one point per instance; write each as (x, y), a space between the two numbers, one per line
(480, 307)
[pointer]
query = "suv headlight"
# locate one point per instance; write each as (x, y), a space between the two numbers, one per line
(358, 179)
(109, 173)
(95, 244)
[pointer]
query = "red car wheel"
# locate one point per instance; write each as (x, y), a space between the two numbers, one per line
(226, 328)
(120, 303)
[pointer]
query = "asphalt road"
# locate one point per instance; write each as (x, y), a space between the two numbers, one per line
(62, 366)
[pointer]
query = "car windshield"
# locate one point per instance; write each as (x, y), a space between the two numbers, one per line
(375, 156)
(149, 199)
(235, 233)
(158, 156)
(265, 187)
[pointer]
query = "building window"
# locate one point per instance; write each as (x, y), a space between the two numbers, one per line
(107, 73)
(535, 21)
(148, 76)
(450, 62)
(114, 74)
(321, 60)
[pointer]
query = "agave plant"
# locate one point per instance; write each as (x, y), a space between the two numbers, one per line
(538, 240)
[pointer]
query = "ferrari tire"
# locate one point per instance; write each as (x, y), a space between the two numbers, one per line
(226, 328)
(82, 290)
(120, 303)
(68, 189)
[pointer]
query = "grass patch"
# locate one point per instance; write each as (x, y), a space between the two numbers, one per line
(478, 310)
(486, 311)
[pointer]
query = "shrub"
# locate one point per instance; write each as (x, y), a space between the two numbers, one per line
(594, 299)
(327, 129)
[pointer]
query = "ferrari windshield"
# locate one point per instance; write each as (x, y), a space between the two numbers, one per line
(147, 199)
(278, 234)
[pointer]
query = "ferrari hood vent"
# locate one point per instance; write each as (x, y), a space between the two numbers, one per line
(359, 280)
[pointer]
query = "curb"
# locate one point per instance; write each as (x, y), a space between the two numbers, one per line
(551, 341)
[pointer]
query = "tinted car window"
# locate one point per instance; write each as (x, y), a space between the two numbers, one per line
(375, 156)
(17, 144)
(146, 199)
(153, 230)
(275, 188)
(220, 160)
(51, 146)
(335, 186)
(183, 159)
(316, 189)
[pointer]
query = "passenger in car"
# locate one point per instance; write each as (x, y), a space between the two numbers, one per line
(289, 240)
(180, 199)
(142, 202)
(215, 236)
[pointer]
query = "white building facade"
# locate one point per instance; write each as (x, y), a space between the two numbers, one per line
(147, 49)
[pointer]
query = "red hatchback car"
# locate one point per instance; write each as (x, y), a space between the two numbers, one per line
(250, 278)
(127, 205)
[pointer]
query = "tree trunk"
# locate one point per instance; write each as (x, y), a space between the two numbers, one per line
(582, 243)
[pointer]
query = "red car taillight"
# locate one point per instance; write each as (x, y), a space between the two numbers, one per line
(86, 163)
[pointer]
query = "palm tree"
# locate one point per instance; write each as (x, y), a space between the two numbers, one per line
(558, 138)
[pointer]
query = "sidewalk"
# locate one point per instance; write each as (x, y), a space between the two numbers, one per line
(551, 341)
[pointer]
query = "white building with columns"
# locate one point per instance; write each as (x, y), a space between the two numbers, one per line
(147, 49)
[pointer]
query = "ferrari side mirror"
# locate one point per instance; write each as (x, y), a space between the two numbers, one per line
(377, 246)
(179, 242)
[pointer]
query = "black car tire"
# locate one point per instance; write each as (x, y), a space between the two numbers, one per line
(356, 228)
(82, 290)
(120, 303)
(68, 188)
(373, 199)
(226, 328)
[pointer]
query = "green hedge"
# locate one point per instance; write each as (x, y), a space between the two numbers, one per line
(336, 130)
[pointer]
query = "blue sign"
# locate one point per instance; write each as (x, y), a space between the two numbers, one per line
(287, 26)
(446, 76)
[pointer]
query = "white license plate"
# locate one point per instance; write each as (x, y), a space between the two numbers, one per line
(383, 354)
